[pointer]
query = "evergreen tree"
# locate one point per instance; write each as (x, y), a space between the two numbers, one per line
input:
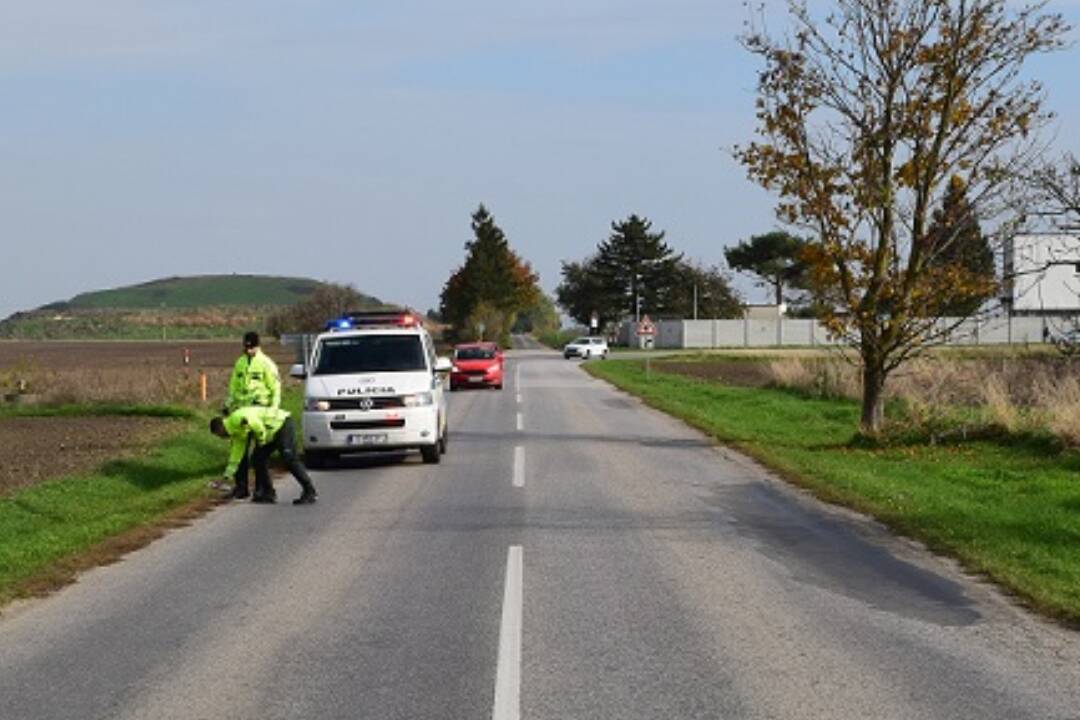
(492, 275)
(957, 245)
(635, 265)
(773, 258)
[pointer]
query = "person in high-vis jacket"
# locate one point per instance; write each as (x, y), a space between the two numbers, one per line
(255, 382)
(271, 429)
(255, 379)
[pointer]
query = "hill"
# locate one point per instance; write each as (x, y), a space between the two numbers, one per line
(198, 307)
(197, 291)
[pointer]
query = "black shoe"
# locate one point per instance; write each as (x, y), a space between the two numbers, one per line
(264, 499)
(240, 494)
(306, 498)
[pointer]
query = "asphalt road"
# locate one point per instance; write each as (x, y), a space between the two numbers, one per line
(575, 556)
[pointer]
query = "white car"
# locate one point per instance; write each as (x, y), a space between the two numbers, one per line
(373, 383)
(586, 347)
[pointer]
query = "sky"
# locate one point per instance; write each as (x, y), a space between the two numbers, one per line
(351, 142)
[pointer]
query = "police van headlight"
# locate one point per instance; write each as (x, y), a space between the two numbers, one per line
(316, 405)
(417, 400)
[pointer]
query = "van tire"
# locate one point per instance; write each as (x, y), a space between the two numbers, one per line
(430, 453)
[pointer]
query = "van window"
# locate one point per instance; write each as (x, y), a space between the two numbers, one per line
(370, 354)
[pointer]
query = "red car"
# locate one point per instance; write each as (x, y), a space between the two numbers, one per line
(477, 365)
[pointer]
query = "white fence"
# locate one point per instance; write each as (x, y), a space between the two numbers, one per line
(778, 332)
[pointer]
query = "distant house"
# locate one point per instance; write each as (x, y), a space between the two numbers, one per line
(764, 312)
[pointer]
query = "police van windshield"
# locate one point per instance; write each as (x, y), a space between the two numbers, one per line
(370, 354)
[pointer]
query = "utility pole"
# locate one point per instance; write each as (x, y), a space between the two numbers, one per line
(637, 297)
(695, 301)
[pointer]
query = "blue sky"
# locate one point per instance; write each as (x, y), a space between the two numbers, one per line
(351, 141)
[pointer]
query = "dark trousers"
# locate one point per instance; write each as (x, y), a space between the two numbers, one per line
(284, 443)
(241, 476)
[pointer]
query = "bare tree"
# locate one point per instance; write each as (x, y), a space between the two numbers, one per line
(865, 117)
(1057, 189)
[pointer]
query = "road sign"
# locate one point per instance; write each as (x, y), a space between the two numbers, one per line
(645, 326)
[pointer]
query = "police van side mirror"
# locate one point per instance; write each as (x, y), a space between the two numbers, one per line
(298, 371)
(443, 365)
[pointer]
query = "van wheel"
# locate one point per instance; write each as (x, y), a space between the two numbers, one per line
(314, 459)
(430, 453)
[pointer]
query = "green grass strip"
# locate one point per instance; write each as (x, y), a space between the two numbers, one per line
(1008, 510)
(60, 518)
(67, 517)
(97, 410)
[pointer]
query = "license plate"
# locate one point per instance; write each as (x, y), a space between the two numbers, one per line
(476, 378)
(367, 439)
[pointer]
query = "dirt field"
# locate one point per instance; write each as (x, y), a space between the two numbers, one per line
(741, 373)
(122, 372)
(64, 355)
(36, 449)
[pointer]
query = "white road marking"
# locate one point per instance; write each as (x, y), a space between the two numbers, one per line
(508, 672)
(519, 466)
(519, 398)
(517, 375)
(520, 426)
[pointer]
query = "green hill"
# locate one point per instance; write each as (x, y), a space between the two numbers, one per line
(198, 307)
(196, 292)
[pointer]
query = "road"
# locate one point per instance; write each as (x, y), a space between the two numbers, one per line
(575, 556)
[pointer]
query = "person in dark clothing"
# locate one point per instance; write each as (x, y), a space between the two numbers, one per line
(272, 430)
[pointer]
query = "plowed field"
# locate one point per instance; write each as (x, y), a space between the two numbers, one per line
(33, 449)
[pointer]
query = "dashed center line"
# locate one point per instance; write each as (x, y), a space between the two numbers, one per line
(508, 668)
(519, 466)
(520, 422)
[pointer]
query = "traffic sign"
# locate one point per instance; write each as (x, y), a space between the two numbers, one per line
(645, 326)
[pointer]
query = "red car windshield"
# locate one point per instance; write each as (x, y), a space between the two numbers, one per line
(474, 353)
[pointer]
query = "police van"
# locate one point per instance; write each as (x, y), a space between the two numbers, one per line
(373, 382)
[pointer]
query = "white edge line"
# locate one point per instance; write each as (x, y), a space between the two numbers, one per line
(508, 667)
(519, 466)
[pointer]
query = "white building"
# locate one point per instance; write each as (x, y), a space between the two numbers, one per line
(1043, 274)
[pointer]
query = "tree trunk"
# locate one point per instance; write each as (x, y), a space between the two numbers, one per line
(873, 398)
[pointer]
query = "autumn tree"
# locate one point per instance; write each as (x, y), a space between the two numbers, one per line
(329, 300)
(540, 318)
(492, 275)
(774, 257)
(865, 117)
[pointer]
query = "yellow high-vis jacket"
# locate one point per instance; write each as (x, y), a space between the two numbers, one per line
(259, 422)
(254, 381)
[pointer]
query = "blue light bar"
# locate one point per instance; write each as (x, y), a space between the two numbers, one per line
(339, 324)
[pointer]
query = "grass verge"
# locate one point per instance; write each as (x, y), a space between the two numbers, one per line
(97, 410)
(51, 531)
(1006, 509)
